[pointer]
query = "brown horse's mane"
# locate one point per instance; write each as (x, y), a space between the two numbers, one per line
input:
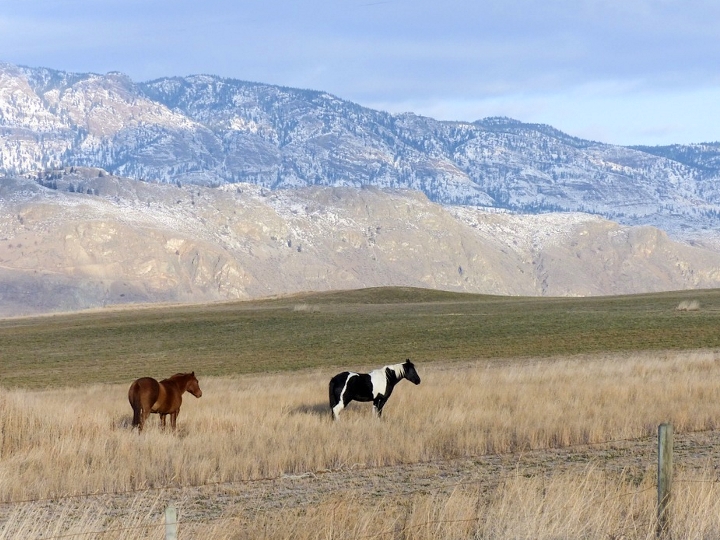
(181, 376)
(191, 374)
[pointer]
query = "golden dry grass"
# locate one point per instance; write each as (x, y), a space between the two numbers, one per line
(565, 506)
(66, 442)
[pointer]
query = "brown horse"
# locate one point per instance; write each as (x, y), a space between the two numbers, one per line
(146, 396)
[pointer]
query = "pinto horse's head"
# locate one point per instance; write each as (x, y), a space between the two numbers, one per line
(410, 373)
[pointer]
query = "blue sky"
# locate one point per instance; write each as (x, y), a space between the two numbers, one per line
(616, 71)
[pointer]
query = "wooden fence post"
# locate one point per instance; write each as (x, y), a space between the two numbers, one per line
(171, 532)
(664, 479)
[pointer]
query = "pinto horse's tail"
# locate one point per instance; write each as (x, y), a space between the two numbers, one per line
(333, 401)
(335, 390)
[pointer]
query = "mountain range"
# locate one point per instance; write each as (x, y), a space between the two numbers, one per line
(210, 131)
(197, 189)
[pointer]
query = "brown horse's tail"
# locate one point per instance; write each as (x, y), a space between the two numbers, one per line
(135, 403)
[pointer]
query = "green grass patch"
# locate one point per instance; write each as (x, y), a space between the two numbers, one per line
(353, 329)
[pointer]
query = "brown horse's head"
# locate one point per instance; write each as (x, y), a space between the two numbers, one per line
(188, 383)
(193, 386)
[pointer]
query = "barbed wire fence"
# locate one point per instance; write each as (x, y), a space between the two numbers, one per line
(171, 524)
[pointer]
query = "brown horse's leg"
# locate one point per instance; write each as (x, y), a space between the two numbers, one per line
(162, 420)
(173, 419)
(144, 413)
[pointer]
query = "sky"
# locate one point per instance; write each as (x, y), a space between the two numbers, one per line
(629, 72)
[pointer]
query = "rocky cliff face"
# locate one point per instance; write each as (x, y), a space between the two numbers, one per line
(209, 131)
(89, 239)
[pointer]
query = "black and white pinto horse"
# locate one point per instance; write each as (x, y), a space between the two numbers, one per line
(375, 386)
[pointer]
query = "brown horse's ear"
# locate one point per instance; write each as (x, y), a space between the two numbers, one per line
(193, 373)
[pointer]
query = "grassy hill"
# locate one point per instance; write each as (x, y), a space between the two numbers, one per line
(352, 329)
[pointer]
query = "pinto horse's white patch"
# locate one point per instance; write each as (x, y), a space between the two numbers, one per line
(379, 382)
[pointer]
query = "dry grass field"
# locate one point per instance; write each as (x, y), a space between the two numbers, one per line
(533, 448)
(492, 445)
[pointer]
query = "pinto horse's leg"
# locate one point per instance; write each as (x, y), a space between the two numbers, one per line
(336, 410)
(336, 405)
(378, 404)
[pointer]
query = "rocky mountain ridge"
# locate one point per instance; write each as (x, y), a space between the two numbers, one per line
(87, 239)
(205, 130)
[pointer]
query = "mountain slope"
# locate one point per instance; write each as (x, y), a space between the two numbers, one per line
(206, 130)
(92, 240)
